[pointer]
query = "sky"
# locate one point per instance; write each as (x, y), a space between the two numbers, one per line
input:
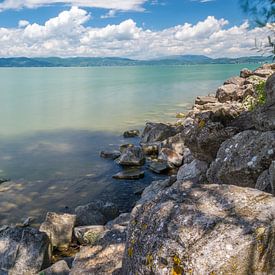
(139, 29)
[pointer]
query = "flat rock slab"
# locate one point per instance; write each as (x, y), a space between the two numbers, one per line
(158, 167)
(202, 229)
(110, 154)
(98, 260)
(201, 100)
(59, 228)
(23, 250)
(59, 268)
(131, 174)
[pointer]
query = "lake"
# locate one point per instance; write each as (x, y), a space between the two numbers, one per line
(55, 121)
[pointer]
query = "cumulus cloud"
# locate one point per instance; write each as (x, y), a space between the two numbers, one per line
(123, 5)
(67, 35)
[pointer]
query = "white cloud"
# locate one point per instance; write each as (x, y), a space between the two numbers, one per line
(123, 5)
(23, 23)
(67, 35)
(109, 14)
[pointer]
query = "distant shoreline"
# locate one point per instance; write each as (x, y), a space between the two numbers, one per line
(57, 62)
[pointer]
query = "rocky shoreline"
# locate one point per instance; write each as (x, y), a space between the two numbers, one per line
(213, 214)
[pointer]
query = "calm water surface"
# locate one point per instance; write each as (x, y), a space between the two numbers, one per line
(54, 122)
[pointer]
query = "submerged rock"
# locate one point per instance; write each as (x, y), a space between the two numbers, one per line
(2, 180)
(132, 156)
(130, 174)
(205, 229)
(242, 159)
(110, 154)
(96, 213)
(59, 228)
(23, 250)
(131, 133)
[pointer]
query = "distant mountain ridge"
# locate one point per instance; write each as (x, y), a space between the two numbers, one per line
(117, 61)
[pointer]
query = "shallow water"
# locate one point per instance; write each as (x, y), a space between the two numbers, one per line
(55, 121)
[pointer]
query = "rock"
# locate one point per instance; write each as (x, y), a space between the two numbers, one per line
(132, 156)
(150, 148)
(204, 229)
(110, 155)
(254, 80)
(175, 143)
(236, 80)
(242, 158)
(158, 166)
(263, 118)
(23, 250)
(195, 171)
(59, 228)
(123, 219)
(131, 133)
(201, 100)
(2, 180)
(59, 268)
(123, 147)
(89, 235)
(263, 72)
(98, 260)
(229, 92)
(187, 156)
(96, 213)
(204, 139)
(171, 157)
(264, 182)
(154, 132)
(246, 73)
(105, 256)
(270, 89)
(272, 176)
(153, 189)
(129, 174)
(180, 115)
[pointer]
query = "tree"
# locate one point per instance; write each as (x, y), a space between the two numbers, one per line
(262, 13)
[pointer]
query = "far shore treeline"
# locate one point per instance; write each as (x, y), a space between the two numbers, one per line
(117, 61)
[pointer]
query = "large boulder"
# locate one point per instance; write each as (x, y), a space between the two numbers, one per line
(264, 116)
(204, 139)
(131, 156)
(59, 228)
(195, 171)
(229, 92)
(23, 250)
(96, 213)
(157, 132)
(241, 159)
(204, 229)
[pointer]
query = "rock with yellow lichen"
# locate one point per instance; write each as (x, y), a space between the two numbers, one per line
(202, 229)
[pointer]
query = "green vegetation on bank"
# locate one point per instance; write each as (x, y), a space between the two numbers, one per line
(116, 61)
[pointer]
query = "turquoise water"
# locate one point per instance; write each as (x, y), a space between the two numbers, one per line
(54, 122)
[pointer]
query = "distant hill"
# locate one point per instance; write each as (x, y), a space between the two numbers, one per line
(116, 61)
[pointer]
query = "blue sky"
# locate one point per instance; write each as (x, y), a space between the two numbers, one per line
(157, 15)
(139, 29)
